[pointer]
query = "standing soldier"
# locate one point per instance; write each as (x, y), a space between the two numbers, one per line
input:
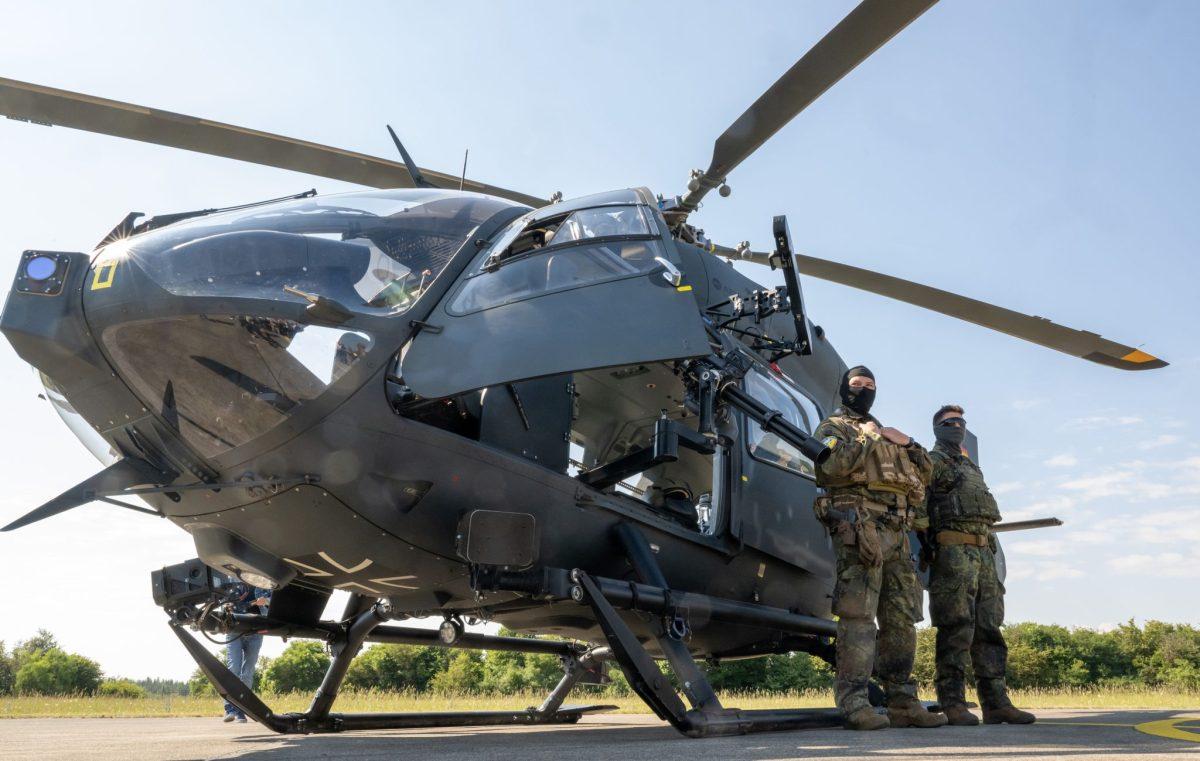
(966, 599)
(874, 481)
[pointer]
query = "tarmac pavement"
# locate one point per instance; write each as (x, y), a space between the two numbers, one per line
(1062, 735)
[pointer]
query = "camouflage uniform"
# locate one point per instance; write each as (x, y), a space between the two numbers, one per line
(882, 486)
(966, 598)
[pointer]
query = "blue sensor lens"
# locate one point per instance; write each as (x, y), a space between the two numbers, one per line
(40, 267)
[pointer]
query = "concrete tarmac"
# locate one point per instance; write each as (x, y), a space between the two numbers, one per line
(1060, 735)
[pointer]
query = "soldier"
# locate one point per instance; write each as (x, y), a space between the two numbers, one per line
(966, 599)
(875, 489)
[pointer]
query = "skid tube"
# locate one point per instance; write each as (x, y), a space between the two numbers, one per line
(346, 641)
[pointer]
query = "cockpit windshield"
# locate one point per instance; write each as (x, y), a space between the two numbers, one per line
(374, 252)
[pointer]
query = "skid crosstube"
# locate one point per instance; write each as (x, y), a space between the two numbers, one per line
(318, 719)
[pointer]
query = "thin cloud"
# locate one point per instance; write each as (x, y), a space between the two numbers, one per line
(1164, 440)
(1093, 422)
(1062, 461)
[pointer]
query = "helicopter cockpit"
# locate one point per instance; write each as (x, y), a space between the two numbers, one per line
(265, 308)
(374, 252)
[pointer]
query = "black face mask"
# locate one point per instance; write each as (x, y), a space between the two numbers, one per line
(857, 399)
(951, 435)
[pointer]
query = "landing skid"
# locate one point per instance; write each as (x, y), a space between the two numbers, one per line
(319, 719)
(707, 717)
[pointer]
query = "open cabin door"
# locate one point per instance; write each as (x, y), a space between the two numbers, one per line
(575, 286)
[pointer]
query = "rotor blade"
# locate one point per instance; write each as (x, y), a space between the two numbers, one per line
(50, 106)
(1038, 330)
(871, 24)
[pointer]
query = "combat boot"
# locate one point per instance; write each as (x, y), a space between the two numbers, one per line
(866, 719)
(957, 715)
(1007, 715)
(911, 713)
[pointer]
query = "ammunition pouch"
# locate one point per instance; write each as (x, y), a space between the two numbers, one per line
(886, 468)
(967, 499)
(855, 521)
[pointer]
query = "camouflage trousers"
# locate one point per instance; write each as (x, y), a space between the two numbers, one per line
(966, 604)
(861, 594)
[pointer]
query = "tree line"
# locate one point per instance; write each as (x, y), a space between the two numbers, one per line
(1155, 654)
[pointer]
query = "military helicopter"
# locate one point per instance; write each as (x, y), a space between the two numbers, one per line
(423, 395)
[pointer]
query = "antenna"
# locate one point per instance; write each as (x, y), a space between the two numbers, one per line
(413, 170)
(463, 179)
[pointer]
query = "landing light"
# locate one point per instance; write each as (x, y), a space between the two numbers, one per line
(258, 580)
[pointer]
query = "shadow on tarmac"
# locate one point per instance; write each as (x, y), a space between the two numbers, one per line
(1065, 734)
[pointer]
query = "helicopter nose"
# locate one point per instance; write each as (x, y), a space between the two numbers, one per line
(43, 320)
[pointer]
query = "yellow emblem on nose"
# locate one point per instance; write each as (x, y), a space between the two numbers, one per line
(103, 277)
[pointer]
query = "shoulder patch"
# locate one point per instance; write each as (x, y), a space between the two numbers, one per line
(830, 442)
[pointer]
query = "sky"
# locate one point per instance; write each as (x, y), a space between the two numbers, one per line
(1040, 156)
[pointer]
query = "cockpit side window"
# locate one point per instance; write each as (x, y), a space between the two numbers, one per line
(796, 408)
(585, 247)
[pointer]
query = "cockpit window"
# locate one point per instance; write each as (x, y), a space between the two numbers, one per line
(533, 257)
(796, 408)
(374, 252)
(601, 223)
(229, 379)
(523, 237)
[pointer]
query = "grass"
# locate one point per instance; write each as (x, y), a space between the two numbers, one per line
(177, 706)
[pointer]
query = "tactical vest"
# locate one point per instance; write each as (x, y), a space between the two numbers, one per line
(968, 499)
(887, 468)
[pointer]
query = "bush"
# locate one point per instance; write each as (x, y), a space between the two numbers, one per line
(54, 672)
(771, 673)
(299, 668)
(199, 686)
(120, 688)
(396, 668)
(464, 674)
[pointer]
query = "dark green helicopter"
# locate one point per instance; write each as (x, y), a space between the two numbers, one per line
(424, 395)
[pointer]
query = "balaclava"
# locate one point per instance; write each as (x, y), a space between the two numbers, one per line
(857, 399)
(951, 435)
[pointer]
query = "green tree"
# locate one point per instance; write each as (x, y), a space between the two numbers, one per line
(55, 672)
(120, 688)
(771, 673)
(396, 667)
(199, 686)
(8, 674)
(299, 668)
(463, 674)
(40, 643)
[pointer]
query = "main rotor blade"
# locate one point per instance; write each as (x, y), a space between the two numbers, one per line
(47, 105)
(871, 24)
(1038, 330)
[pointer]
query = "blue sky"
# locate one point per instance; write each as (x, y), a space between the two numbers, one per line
(1041, 156)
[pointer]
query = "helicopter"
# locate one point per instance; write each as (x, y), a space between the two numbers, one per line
(422, 395)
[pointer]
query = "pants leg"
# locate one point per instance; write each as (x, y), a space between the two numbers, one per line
(855, 601)
(234, 660)
(989, 652)
(899, 610)
(953, 586)
(251, 645)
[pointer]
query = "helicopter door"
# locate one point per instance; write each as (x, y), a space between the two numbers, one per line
(560, 290)
(772, 503)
